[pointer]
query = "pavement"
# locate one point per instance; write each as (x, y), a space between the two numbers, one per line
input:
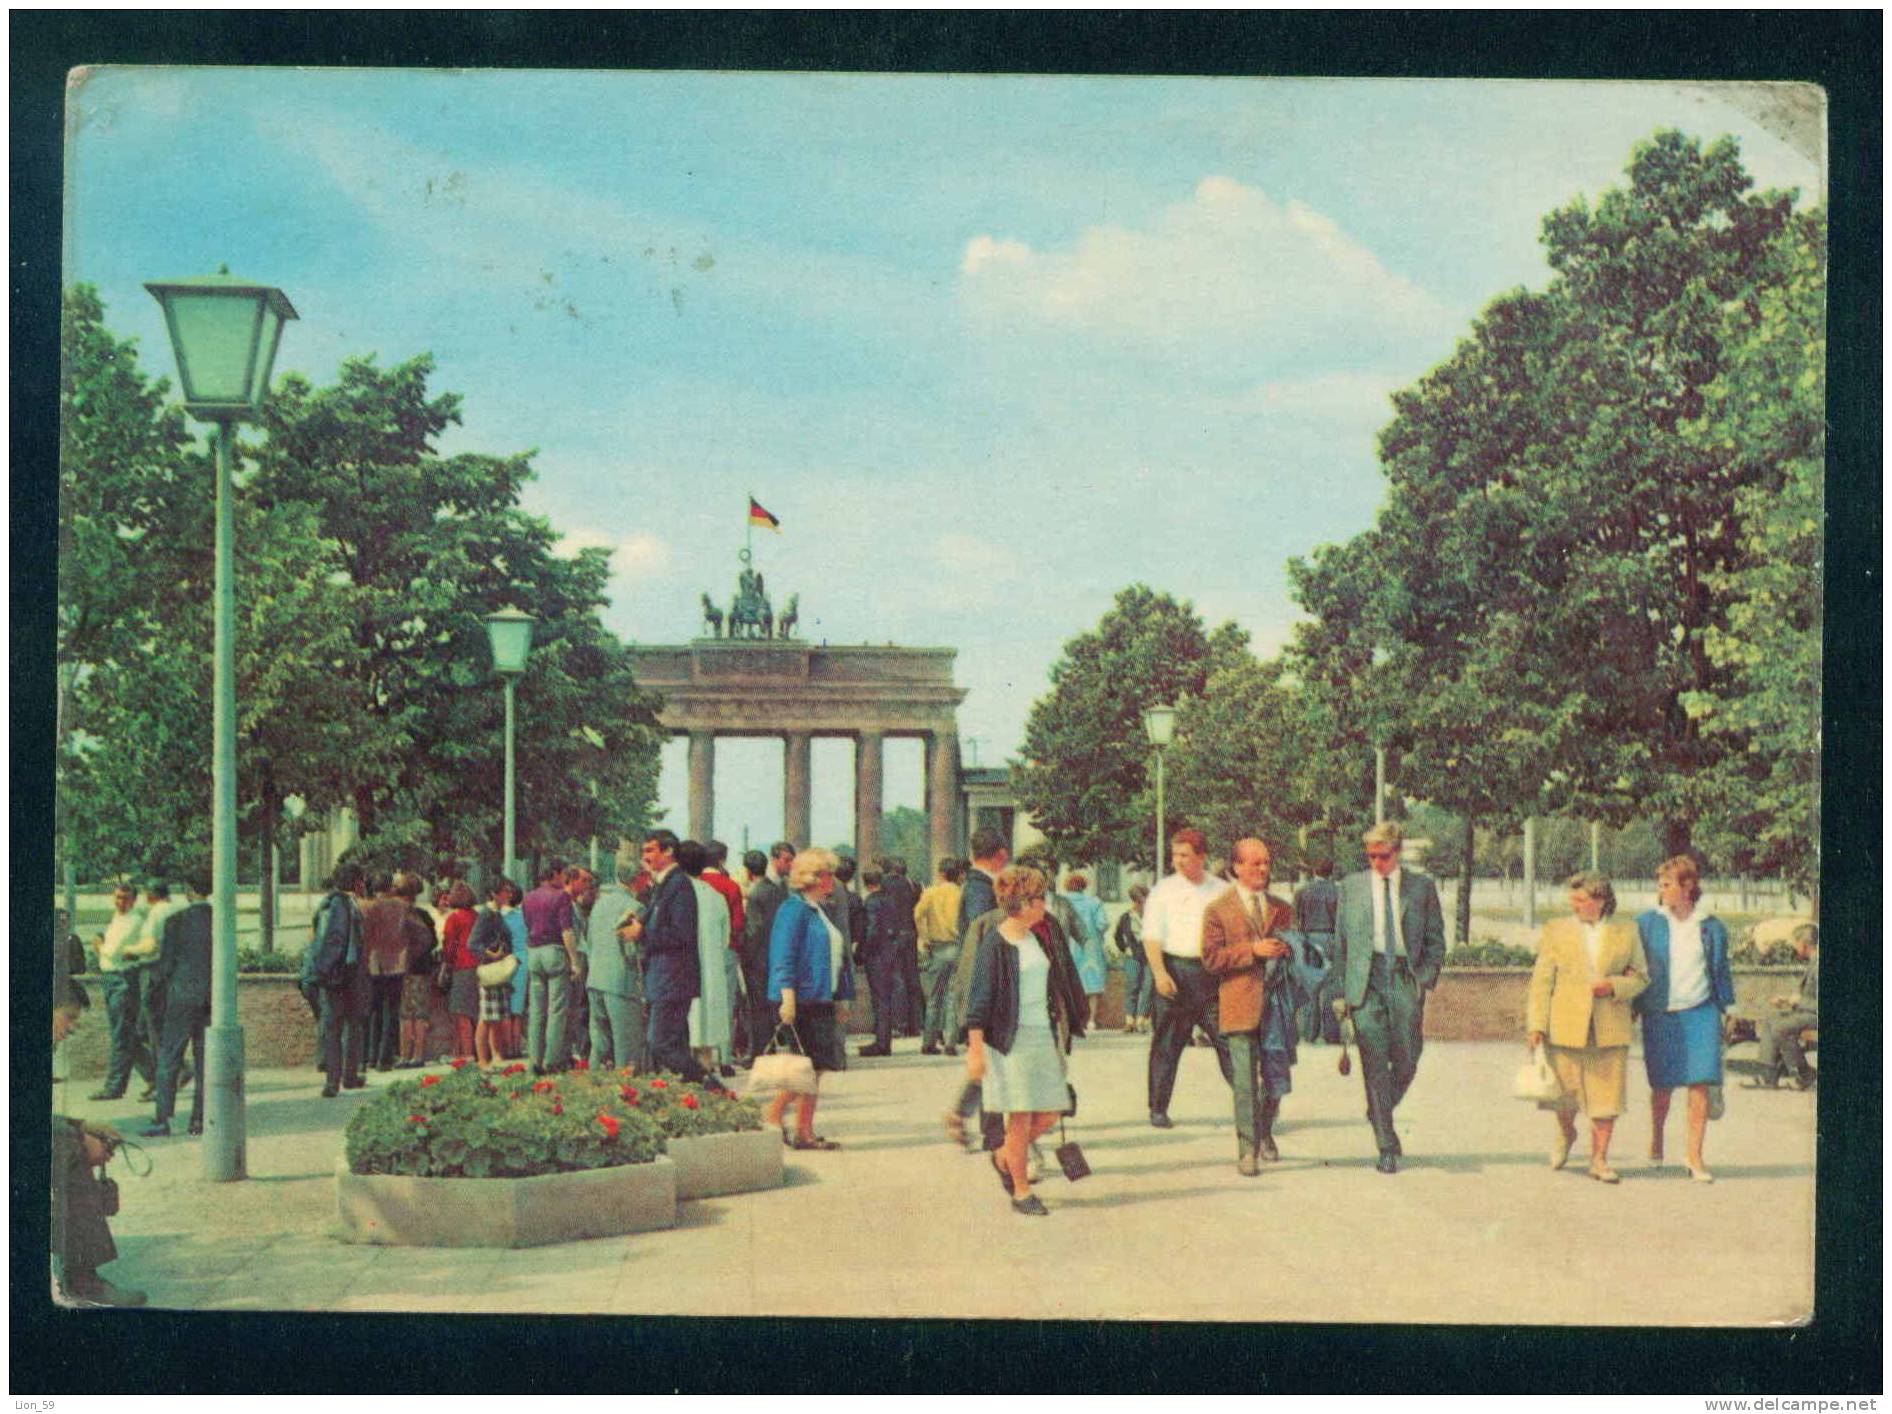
(898, 1223)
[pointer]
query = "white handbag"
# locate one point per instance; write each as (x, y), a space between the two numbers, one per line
(1536, 1080)
(498, 972)
(776, 1070)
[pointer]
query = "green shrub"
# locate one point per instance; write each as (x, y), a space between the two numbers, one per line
(1489, 953)
(251, 960)
(468, 1123)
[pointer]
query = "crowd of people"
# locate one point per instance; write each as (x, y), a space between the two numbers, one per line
(673, 965)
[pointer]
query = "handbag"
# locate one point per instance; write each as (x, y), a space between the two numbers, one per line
(1536, 1080)
(1070, 1157)
(443, 976)
(498, 972)
(776, 1069)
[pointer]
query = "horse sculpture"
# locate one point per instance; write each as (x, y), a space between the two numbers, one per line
(712, 618)
(791, 615)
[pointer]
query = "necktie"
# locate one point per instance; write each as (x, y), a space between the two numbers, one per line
(1254, 913)
(1388, 939)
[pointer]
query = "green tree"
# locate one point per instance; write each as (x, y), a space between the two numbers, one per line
(426, 545)
(1767, 412)
(1086, 776)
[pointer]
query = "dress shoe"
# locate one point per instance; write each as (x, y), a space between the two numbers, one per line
(329, 1092)
(1388, 1162)
(106, 1095)
(96, 1291)
(1560, 1151)
(1030, 1206)
(156, 1131)
(387, 1066)
(1246, 1165)
(355, 1083)
(196, 1128)
(874, 1051)
(1769, 1081)
(1699, 1174)
(929, 1049)
(1603, 1173)
(409, 1065)
(949, 1050)
(1808, 1080)
(1159, 1120)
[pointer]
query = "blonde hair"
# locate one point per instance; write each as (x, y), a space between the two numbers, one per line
(1683, 870)
(1597, 886)
(1386, 832)
(808, 867)
(1017, 887)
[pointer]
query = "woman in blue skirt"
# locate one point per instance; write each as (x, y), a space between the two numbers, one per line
(1026, 1003)
(1690, 986)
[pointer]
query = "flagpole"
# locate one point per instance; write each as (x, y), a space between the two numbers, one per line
(748, 528)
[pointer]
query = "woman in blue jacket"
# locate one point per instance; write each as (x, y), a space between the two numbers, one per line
(809, 972)
(1690, 986)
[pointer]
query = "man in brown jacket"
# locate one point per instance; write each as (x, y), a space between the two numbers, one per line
(1242, 948)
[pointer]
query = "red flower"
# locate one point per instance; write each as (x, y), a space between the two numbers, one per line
(417, 1119)
(460, 1062)
(689, 1102)
(658, 1085)
(429, 1080)
(539, 1087)
(629, 1092)
(581, 1064)
(516, 1068)
(557, 1108)
(610, 1125)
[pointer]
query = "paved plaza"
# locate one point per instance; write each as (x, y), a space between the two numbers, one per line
(1475, 1227)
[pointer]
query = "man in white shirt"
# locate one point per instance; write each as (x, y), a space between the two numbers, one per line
(1185, 991)
(1391, 939)
(124, 986)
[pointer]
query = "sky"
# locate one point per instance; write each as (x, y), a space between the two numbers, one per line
(989, 347)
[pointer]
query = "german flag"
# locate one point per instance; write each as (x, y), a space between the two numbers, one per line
(759, 516)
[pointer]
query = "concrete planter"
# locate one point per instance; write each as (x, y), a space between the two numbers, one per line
(710, 1165)
(399, 1211)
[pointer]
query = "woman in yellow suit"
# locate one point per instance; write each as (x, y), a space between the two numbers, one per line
(1588, 970)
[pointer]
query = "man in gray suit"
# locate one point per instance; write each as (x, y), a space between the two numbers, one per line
(613, 985)
(1390, 932)
(1780, 1048)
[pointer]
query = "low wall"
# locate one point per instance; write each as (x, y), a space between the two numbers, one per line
(1470, 1004)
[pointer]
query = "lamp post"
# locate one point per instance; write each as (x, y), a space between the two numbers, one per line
(1159, 725)
(224, 333)
(510, 633)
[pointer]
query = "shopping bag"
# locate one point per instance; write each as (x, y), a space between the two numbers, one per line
(1536, 1079)
(777, 1069)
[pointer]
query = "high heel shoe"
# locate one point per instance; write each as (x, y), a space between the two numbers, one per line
(1603, 1173)
(1699, 1174)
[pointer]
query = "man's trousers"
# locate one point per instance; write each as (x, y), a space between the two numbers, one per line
(124, 1013)
(1176, 1018)
(1386, 1029)
(183, 1026)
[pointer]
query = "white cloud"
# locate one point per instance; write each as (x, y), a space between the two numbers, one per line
(1227, 267)
(637, 556)
(1345, 397)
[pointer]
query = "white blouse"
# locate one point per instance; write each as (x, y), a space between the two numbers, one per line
(1688, 962)
(836, 949)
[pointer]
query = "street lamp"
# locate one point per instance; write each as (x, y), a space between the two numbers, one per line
(224, 333)
(1159, 725)
(510, 633)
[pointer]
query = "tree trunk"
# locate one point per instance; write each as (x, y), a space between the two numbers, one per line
(266, 885)
(1463, 925)
(1677, 833)
(364, 814)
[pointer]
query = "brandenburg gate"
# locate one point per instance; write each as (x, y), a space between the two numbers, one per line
(761, 682)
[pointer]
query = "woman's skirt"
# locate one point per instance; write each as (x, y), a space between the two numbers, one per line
(495, 1002)
(463, 999)
(1594, 1078)
(1682, 1047)
(819, 1036)
(1028, 1080)
(417, 997)
(1092, 970)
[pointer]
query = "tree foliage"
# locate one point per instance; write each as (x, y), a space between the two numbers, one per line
(364, 564)
(1087, 777)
